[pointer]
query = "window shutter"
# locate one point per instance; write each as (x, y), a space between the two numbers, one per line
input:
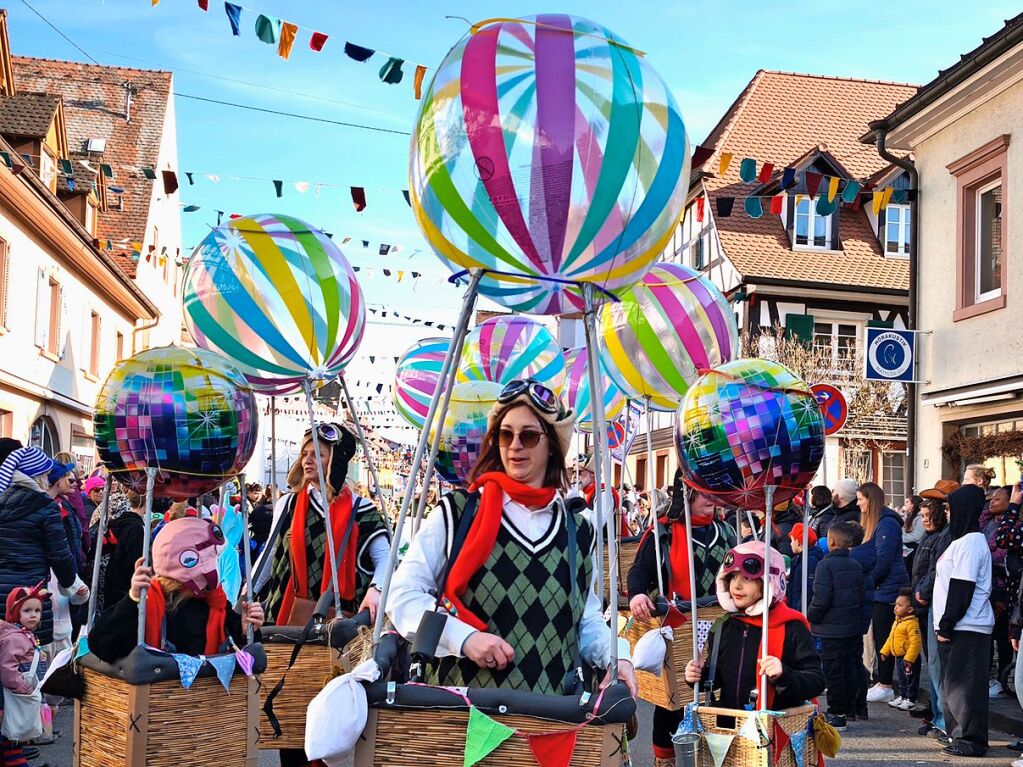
(85, 343)
(790, 216)
(61, 323)
(42, 308)
(880, 323)
(800, 328)
(6, 288)
(836, 237)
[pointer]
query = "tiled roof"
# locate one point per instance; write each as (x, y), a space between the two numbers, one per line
(780, 118)
(83, 178)
(27, 114)
(94, 107)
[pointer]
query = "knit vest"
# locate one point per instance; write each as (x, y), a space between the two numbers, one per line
(524, 594)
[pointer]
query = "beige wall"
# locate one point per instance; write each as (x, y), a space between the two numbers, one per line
(988, 346)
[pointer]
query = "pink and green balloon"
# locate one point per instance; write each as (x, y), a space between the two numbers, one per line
(503, 349)
(416, 379)
(577, 390)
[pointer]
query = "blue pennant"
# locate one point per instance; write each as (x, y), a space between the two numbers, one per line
(224, 666)
(798, 742)
(188, 667)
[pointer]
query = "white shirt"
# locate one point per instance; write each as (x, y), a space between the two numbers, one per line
(426, 559)
(966, 559)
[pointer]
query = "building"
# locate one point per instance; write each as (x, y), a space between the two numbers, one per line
(792, 258)
(68, 309)
(965, 132)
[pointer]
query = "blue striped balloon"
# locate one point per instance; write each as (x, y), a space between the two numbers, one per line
(577, 390)
(503, 349)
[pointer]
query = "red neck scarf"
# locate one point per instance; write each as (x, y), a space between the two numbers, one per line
(777, 618)
(590, 491)
(298, 583)
(678, 558)
(156, 611)
(483, 533)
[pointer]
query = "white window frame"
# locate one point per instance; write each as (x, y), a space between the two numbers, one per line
(904, 234)
(812, 217)
(978, 297)
(47, 167)
(894, 499)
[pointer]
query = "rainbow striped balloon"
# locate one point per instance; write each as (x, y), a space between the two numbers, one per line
(503, 349)
(577, 390)
(416, 377)
(666, 329)
(551, 153)
(278, 298)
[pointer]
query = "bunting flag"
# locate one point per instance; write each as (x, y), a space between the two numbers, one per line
(267, 28)
(106, 170)
(776, 204)
(851, 191)
(357, 52)
(170, 182)
(832, 188)
(798, 742)
(149, 173)
(718, 745)
(483, 736)
(748, 169)
(359, 198)
(553, 749)
(724, 206)
(700, 155)
(279, 187)
(700, 205)
(204, 4)
(390, 72)
(753, 732)
(191, 181)
(66, 167)
(83, 646)
(765, 172)
(287, 41)
(702, 634)
(723, 162)
(317, 41)
(813, 182)
(245, 661)
(417, 81)
(753, 207)
(788, 178)
(781, 739)
(224, 666)
(826, 207)
(234, 15)
(408, 198)
(188, 667)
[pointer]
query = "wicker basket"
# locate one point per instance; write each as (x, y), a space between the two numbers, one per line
(627, 549)
(162, 724)
(669, 689)
(745, 753)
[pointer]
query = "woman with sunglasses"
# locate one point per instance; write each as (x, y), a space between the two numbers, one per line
(508, 564)
(295, 562)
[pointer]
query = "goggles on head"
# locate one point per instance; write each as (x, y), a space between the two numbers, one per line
(543, 398)
(330, 433)
(751, 565)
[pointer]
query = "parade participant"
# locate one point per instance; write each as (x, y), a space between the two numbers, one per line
(792, 665)
(712, 539)
(813, 556)
(18, 649)
(521, 539)
(293, 570)
(186, 608)
(589, 491)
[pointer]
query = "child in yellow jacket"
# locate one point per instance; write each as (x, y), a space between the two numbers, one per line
(905, 645)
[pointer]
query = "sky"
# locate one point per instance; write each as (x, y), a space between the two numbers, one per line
(706, 51)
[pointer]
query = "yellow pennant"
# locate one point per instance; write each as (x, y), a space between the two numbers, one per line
(724, 162)
(832, 188)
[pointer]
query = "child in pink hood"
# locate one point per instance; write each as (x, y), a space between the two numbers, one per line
(18, 646)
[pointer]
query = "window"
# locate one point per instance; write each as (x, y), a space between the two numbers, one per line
(47, 168)
(6, 423)
(83, 448)
(858, 464)
(981, 244)
(119, 346)
(43, 435)
(696, 250)
(4, 276)
(95, 327)
(893, 477)
(53, 333)
(662, 469)
(811, 230)
(835, 340)
(641, 474)
(896, 230)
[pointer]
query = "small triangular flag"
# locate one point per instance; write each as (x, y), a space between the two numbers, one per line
(483, 736)
(718, 745)
(83, 642)
(832, 188)
(852, 188)
(752, 732)
(224, 666)
(188, 667)
(407, 198)
(813, 182)
(553, 749)
(798, 742)
(781, 739)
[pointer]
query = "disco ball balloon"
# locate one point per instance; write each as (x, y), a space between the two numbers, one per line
(503, 349)
(748, 424)
(464, 428)
(278, 298)
(549, 152)
(416, 378)
(187, 412)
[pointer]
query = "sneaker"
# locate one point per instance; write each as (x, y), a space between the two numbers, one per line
(920, 711)
(894, 702)
(879, 694)
(927, 729)
(905, 705)
(1017, 763)
(836, 721)
(994, 689)
(1017, 746)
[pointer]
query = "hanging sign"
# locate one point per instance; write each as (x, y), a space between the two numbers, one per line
(833, 406)
(890, 355)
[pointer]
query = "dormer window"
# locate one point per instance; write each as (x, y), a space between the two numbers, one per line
(810, 229)
(47, 168)
(896, 231)
(90, 216)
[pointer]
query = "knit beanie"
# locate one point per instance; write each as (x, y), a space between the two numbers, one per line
(28, 460)
(846, 489)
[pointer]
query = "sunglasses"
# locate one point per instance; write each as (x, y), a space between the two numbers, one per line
(330, 433)
(751, 565)
(529, 438)
(543, 398)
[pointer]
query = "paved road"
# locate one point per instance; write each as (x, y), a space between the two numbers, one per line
(889, 736)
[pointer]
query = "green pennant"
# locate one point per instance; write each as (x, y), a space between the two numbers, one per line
(483, 736)
(149, 173)
(267, 28)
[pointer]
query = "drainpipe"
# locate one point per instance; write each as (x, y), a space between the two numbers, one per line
(142, 328)
(880, 128)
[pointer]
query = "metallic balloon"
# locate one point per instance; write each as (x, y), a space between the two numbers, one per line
(503, 349)
(416, 378)
(464, 428)
(577, 390)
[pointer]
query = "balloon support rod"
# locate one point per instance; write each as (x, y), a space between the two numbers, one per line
(457, 276)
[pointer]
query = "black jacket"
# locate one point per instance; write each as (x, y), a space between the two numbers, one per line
(115, 632)
(822, 519)
(802, 677)
(926, 560)
(839, 594)
(122, 548)
(848, 513)
(794, 592)
(32, 542)
(783, 524)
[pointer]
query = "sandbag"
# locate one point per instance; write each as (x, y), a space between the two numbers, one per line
(336, 717)
(649, 652)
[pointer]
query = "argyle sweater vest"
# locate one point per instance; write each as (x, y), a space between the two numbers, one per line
(708, 557)
(524, 594)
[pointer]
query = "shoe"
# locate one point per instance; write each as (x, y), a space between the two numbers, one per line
(895, 702)
(862, 714)
(954, 750)
(1017, 763)
(29, 753)
(836, 721)
(927, 729)
(879, 694)
(920, 711)
(1017, 746)
(994, 689)
(944, 740)
(905, 705)
(44, 740)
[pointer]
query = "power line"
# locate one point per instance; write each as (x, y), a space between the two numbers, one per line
(293, 114)
(51, 26)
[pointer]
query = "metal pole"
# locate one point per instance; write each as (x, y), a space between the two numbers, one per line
(692, 585)
(768, 511)
(104, 516)
(273, 448)
(370, 463)
(615, 513)
(650, 492)
(806, 543)
(456, 346)
(600, 448)
(250, 632)
(147, 541)
(324, 499)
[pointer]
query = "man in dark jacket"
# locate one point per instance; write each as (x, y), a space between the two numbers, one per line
(783, 524)
(844, 501)
(835, 615)
(822, 510)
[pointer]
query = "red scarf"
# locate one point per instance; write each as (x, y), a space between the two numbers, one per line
(678, 557)
(298, 583)
(588, 494)
(156, 611)
(483, 534)
(778, 616)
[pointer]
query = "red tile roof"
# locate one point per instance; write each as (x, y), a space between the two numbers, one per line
(94, 107)
(780, 118)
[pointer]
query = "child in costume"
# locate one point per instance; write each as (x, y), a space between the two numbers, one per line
(18, 647)
(813, 556)
(186, 608)
(904, 645)
(792, 665)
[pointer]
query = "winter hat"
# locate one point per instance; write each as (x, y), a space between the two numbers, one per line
(20, 595)
(797, 534)
(94, 483)
(186, 551)
(59, 470)
(735, 562)
(30, 461)
(846, 489)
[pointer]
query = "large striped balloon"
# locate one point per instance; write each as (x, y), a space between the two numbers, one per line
(548, 149)
(503, 349)
(416, 378)
(577, 390)
(277, 297)
(664, 331)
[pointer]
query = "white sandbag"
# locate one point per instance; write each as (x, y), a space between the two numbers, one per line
(648, 655)
(336, 717)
